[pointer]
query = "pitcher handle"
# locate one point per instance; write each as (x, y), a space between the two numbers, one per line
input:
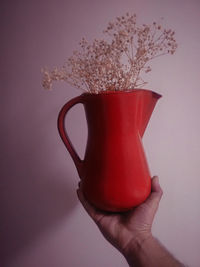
(63, 134)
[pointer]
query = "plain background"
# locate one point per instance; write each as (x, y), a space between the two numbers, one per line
(42, 222)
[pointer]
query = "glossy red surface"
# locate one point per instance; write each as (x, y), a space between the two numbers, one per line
(114, 172)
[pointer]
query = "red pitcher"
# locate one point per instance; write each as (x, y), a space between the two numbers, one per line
(114, 172)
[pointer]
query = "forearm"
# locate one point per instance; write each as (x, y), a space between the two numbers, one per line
(148, 252)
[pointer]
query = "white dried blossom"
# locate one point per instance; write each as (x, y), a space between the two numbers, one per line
(100, 66)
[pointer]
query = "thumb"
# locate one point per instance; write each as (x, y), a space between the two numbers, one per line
(156, 193)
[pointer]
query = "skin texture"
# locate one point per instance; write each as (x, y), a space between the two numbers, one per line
(130, 232)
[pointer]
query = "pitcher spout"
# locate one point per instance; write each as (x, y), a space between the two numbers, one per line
(147, 102)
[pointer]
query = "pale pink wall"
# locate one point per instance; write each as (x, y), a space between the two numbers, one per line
(42, 222)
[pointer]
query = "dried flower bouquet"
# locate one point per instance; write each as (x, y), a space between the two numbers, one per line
(116, 64)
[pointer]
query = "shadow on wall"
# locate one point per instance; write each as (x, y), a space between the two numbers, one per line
(35, 192)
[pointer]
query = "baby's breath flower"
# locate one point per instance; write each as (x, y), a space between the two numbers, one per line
(116, 64)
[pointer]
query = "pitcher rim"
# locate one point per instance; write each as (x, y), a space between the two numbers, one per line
(122, 92)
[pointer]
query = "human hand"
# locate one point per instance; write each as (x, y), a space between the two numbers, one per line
(124, 230)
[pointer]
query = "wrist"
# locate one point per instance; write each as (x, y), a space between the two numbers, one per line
(136, 245)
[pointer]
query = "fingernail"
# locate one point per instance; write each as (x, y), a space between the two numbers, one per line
(156, 179)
